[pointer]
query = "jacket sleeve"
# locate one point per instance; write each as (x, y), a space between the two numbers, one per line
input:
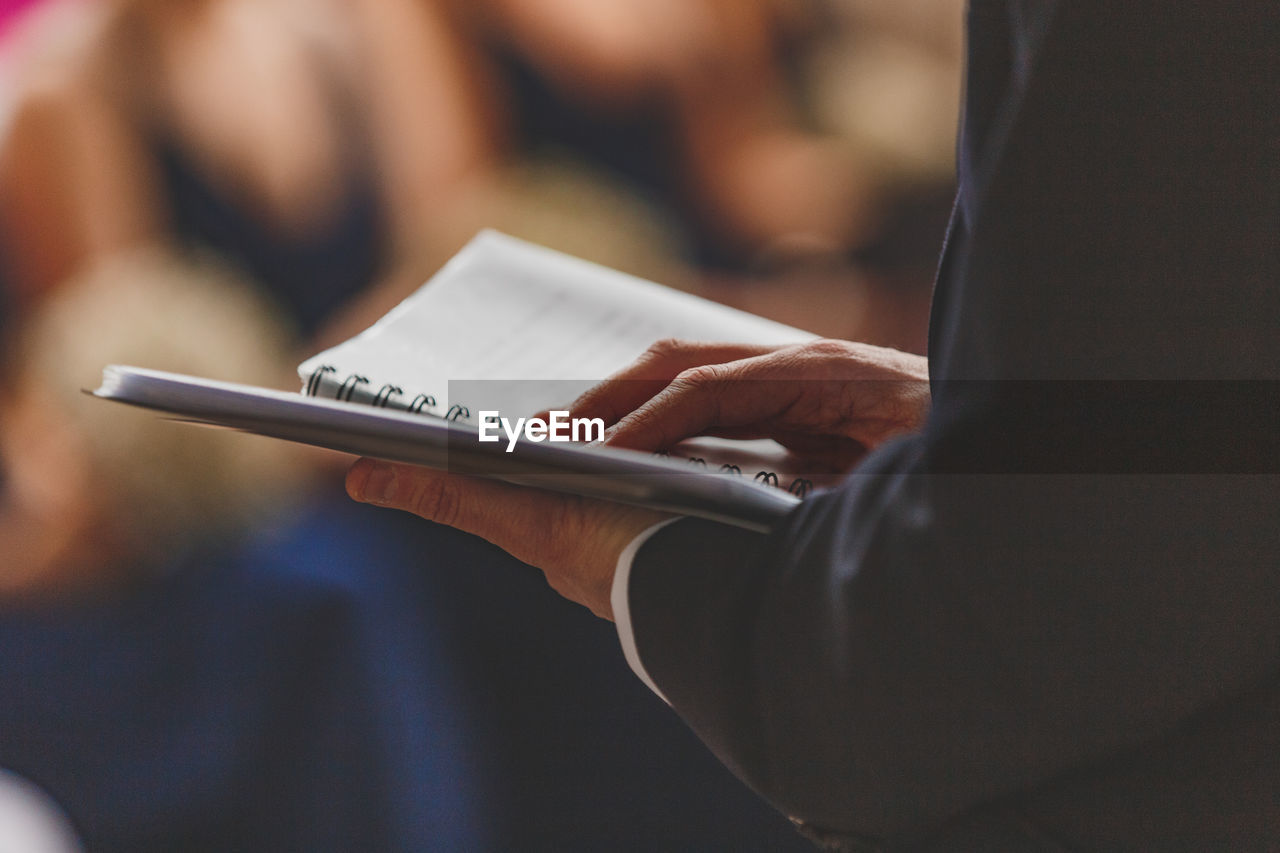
(914, 644)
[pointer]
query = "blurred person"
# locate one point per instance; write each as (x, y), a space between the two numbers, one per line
(327, 148)
(90, 499)
(885, 77)
(709, 77)
(884, 80)
(173, 681)
(313, 143)
(732, 119)
(335, 153)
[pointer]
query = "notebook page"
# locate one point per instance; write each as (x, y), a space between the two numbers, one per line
(506, 310)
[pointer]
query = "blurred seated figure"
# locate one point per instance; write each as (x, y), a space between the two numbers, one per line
(691, 98)
(334, 152)
(90, 492)
(170, 682)
(324, 146)
(799, 150)
(312, 143)
(882, 78)
(334, 149)
(885, 77)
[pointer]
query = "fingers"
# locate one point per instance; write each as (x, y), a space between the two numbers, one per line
(575, 541)
(626, 390)
(857, 394)
(517, 520)
(468, 503)
(703, 400)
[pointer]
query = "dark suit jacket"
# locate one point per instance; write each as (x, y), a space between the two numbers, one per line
(1053, 617)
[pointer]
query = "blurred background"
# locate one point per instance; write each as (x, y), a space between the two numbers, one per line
(203, 645)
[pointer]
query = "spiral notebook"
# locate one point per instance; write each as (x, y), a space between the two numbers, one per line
(504, 327)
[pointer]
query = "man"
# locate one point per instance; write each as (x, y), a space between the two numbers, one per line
(1045, 618)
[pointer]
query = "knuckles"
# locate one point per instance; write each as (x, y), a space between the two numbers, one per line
(828, 348)
(665, 348)
(699, 377)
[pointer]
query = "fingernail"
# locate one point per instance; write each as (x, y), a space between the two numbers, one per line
(372, 482)
(380, 488)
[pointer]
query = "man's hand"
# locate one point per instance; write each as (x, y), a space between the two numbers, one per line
(830, 401)
(827, 398)
(575, 541)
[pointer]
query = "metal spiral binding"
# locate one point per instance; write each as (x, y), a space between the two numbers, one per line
(382, 400)
(349, 385)
(420, 402)
(385, 394)
(317, 375)
(800, 487)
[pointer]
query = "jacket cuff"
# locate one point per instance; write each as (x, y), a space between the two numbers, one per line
(620, 600)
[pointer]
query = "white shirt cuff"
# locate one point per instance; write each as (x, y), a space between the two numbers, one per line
(620, 600)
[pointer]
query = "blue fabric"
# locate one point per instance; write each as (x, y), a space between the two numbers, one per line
(291, 696)
(356, 679)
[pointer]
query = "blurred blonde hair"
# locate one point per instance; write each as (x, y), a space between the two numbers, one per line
(162, 483)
